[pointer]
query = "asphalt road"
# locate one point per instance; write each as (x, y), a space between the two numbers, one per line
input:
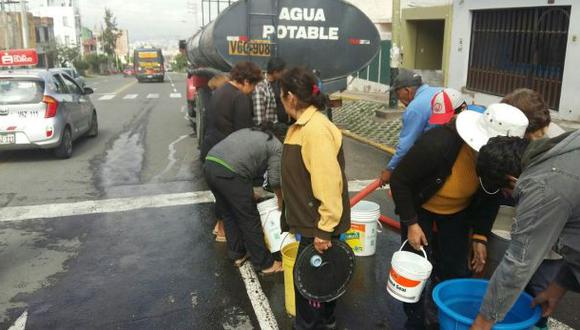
(115, 238)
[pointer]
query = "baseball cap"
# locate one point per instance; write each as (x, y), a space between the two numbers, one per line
(443, 105)
(406, 78)
(499, 119)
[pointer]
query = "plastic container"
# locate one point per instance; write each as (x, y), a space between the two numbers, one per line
(270, 218)
(408, 276)
(459, 302)
(362, 236)
(289, 253)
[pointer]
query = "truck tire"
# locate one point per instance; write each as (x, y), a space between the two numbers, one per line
(65, 149)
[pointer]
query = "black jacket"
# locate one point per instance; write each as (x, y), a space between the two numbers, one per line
(424, 170)
(229, 110)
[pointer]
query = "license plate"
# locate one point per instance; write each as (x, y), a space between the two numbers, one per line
(7, 139)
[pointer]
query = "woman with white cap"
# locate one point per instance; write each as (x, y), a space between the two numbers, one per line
(437, 183)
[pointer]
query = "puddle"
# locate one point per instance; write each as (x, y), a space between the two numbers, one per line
(123, 161)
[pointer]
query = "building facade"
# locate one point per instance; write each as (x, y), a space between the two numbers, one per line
(66, 17)
(11, 31)
(498, 46)
(122, 46)
(88, 41)
(45, 41)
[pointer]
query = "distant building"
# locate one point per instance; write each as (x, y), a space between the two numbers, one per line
(11, 31)
(88, 41)
(67, 19)
(45, 41)
(122, 46)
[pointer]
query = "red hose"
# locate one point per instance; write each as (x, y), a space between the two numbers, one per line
(394, 224)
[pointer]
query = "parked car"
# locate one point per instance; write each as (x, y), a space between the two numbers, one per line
(74, 74)
(44, 109)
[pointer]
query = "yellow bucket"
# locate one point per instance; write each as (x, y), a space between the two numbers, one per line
(289, 253)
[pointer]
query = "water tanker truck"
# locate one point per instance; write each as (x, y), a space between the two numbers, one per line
(332, 37)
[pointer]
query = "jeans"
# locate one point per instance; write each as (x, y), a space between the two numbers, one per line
(235, 203)
(448, 252)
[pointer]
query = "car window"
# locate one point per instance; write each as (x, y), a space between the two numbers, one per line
(71, 85)
(17, 91)
(60, 85)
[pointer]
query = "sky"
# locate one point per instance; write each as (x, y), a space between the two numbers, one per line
(145, 19)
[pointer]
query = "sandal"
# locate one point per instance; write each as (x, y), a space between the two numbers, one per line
(221, 239)
(240, 262)
(274, 270)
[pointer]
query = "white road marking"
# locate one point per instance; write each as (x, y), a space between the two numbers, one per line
(170, 157)
(258, 299)
(20, 323)
(557, 325)
(50, 211)
(107, 97)
(153, 96)
(130, 96)
(174, 90)
(175, 95)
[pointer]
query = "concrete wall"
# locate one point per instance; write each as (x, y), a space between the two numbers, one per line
(410, 17)
(460, 43)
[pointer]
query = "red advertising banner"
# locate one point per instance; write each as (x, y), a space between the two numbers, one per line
(18, 57)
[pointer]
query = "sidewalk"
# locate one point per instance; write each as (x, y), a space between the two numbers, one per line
(358, 120)
(365, 117)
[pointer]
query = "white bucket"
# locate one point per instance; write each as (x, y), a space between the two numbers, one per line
(270, 218)
(408, 275)
(362, 236)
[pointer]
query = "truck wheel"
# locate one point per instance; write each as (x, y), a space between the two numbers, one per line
(65, 149)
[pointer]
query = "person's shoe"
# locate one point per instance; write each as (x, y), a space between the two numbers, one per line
(240, 262)
(275, 268)
(221, 239)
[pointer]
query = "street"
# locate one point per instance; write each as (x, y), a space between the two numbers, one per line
(119, 236)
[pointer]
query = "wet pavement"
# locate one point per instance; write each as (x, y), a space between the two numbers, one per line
(151, 267)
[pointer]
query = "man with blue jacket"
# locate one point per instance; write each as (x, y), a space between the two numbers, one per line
(416, 96)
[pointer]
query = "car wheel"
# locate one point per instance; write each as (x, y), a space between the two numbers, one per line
(65, 149)
(94, 130)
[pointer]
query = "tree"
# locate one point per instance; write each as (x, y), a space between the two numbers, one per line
(66, 55)
(110, 33)
(179, 62)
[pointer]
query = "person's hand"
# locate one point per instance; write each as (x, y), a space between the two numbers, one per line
(321, 245)
(549, 299)
(416, 237)
(385, 177)
(481, 323)
(478, 258)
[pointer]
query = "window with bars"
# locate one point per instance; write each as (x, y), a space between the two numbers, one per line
(517, 48)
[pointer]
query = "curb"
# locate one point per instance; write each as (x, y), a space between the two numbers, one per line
(362, 139)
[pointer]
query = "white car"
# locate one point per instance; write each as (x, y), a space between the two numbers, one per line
(44, 109)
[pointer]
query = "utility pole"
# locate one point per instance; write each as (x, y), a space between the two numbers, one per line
(24, 21)
(395, 50)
